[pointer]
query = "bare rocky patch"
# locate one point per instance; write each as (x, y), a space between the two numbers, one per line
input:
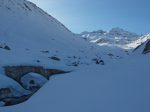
(147, 48)
(4, 46)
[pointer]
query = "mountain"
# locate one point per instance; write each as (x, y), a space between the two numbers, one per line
(109, 76)
(32, 41)
(116, 43)
(115, 37)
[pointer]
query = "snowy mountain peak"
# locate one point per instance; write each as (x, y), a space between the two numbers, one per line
(94, 32)
(115, 37)
(114, 32)
(122, 33)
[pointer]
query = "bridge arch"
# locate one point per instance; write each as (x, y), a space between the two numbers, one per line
(17, 72)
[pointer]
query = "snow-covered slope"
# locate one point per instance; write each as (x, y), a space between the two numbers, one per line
(139, 44)
(31, 37)
(122, 86)
(28, 32)
(119, 87)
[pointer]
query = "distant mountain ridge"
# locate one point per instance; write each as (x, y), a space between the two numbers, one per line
(114, 37)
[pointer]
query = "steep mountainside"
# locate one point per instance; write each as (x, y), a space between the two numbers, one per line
(139, 46)
(143, 45)
(31, 41)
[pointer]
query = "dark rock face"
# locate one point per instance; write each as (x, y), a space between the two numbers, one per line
(98, 61)
(7, 97)
(4, 46)
(16, 72)
(55, 58)
(45, 51)
(147, 48)
(16, 100)
(102, 40)
(5, 92)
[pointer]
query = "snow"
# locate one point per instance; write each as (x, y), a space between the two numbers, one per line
(25, 31)
(139, 41)
(120, 87)
(2, 103)
(37, 78)
(6, 82)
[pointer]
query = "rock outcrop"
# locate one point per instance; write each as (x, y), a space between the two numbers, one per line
(4, 46)
(5, 92)
(147, 48)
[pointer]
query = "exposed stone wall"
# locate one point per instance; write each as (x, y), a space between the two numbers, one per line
(16, 100)
(5, 92)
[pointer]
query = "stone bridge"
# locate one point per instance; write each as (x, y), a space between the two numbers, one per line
(17, 72)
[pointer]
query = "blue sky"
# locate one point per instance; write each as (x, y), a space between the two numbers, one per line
(89, 15)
